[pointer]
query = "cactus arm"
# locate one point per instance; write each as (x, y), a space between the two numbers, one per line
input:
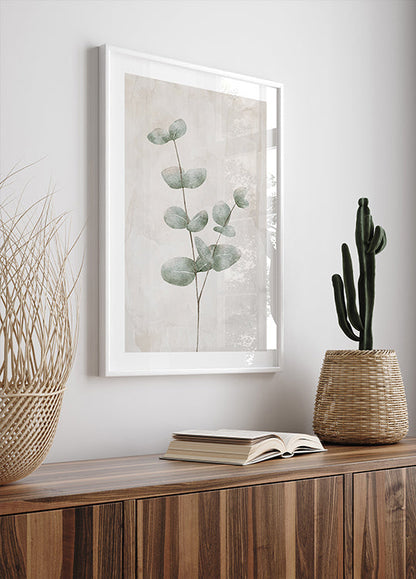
(353, 314)
(376, 239)
(383, 243)
(377, 244)
(341, 308)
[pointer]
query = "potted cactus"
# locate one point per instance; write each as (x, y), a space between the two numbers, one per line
(360, 397)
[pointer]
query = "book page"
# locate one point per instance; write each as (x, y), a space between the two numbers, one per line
(245, 435)
(290, 437)
(298, 442)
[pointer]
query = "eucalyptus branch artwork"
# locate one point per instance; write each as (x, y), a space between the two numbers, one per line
(217, 257)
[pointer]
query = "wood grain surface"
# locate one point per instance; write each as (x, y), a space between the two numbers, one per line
(349, 512)
(79, 483)
(348, 525)
(385, 524)
(284, 530)
(77, 543)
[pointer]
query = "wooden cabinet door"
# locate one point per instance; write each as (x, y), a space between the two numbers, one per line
(76, 543)
(273, 531)
(384, 527)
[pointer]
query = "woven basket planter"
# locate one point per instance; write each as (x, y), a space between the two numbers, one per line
(360, 398)
(28, 425)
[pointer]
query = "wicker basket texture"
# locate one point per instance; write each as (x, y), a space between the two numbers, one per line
(360, 398)
(28, 426)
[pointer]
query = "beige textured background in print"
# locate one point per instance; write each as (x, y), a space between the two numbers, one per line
(226, 136)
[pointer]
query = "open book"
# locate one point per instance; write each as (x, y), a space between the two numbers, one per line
(238, 446)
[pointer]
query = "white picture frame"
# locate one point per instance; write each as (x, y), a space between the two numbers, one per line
(132, 85)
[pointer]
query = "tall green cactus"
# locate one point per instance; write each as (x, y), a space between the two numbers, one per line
(369, 241)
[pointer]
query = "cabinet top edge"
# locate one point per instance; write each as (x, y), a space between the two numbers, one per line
(66, 484)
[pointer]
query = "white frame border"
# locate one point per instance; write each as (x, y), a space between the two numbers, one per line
(114, 361)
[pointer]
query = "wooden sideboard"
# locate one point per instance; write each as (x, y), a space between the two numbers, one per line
(349, 512)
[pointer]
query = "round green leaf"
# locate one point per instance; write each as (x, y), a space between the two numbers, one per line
(203, 250)
(159, 137)
(228, 230)
(193, 178)
(198, 222)
(240, 197)
(177, 129)
(179, 271)
(172, 177)
(221, 213)
(176, 218)
(224, 256)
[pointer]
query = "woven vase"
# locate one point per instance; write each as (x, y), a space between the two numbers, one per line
(360, 398)
(28, 425)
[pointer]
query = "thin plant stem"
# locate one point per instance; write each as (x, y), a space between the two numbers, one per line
(213, 252)
(192, 248)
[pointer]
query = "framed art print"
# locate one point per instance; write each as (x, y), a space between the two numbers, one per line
(191, 228)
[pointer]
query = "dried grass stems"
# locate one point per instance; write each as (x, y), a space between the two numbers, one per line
(39, 320)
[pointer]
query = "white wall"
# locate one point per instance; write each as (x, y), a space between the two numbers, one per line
(350, 120)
